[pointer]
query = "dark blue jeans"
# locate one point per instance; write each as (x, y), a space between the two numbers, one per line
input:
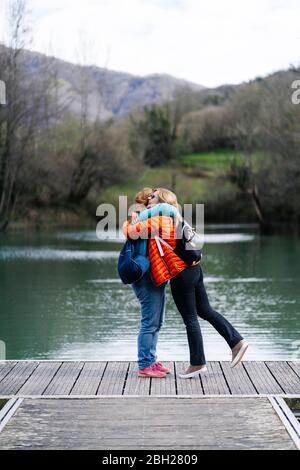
(191, 299)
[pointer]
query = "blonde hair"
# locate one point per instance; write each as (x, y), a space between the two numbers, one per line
(165, 195)
(142, 197)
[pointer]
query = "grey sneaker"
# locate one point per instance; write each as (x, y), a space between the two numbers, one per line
(195, 373)
(238, 352)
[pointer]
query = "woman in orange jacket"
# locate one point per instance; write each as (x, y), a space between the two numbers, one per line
(160, 230)
(187, 285)
(150, 289)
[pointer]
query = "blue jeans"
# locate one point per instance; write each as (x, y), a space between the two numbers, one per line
(152, 300)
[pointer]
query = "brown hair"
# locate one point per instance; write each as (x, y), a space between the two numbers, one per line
(142, 197)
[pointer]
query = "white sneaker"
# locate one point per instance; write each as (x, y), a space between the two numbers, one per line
(193, 374)
(239, 355)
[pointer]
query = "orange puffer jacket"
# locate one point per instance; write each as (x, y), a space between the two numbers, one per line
(163, 267)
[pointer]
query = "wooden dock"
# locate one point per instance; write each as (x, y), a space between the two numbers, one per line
(104, 405)
(94, 378)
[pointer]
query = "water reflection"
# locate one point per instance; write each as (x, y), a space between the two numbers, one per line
(52, 254)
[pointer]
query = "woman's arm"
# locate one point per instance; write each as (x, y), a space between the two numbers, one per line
(160, 209)
(149, 228)
(141, 229)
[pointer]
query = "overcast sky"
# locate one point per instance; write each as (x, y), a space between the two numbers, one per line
(209, 42)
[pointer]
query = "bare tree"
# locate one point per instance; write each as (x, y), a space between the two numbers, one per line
(267, 130)
(15, 112)
(27, 98)
(83, 172)
(247, 131)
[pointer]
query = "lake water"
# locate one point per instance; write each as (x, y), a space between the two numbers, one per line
(60, 297)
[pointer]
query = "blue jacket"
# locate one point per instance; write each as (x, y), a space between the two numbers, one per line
(160, 209)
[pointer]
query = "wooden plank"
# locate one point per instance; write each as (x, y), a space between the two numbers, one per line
(89, 379)
(237, 379)
(113, 380)
(65, 378)
(213, 380)
(295, 366)
(136, 385)
(146, 423)
(40, 378)
(262, 378)
(16, 378)
(187, 386)
(165, 386)
(285, 376)
(5, 368)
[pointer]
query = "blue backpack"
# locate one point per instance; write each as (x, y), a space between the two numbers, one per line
(131, 267)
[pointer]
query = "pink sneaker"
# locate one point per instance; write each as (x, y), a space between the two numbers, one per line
(161, 368)
(151, 372)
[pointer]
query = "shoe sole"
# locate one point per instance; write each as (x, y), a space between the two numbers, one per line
(152, 376)
(192, 374)
(239, 355)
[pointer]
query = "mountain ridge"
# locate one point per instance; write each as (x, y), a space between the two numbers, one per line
(110, 93)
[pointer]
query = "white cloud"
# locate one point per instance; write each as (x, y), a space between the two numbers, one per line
(209, 42)
(169, 4)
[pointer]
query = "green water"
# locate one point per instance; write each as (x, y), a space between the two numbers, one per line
(60, 297)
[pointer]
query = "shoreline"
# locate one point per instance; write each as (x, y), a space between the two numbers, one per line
(51, 219)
